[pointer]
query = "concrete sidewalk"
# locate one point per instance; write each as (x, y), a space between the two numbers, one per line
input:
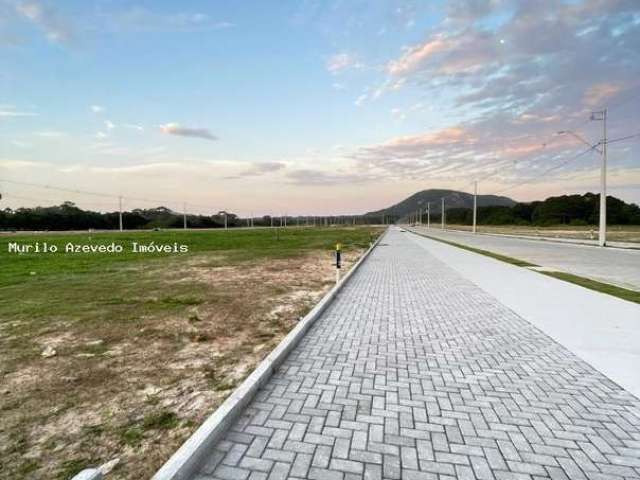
(601, 329)
(609, 265)
(416, 372)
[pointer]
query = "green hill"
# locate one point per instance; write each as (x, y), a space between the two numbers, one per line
(453, 199)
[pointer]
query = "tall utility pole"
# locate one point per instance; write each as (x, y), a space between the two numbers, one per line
(599, 116)
(120, 210)
(602, 231)
(442, 214)
(475, 204)
(184, 216)
(428, 214)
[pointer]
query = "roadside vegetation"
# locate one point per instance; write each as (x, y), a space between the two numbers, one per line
(623, 293)
(106, 356)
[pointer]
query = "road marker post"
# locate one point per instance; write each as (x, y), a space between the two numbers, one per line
(338, 261)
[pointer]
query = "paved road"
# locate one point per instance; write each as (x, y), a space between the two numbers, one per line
(415, 372)
(609, 265)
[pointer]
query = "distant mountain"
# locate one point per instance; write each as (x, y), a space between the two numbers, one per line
(453, 199)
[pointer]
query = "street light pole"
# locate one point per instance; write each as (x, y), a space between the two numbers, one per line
(475, 204)
(184, 216)
(442, 214)
(120, 212)
(602, 231)
(602, 227)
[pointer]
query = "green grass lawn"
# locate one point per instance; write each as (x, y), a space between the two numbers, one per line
(146, 344)
(241, 245)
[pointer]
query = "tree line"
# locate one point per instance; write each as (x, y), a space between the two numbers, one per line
(68, 216)
(563, 210)
(577, 210)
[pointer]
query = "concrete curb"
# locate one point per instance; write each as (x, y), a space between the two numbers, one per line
(184, 462)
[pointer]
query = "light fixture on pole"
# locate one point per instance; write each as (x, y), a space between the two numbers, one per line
(602, 227)
(602, 232)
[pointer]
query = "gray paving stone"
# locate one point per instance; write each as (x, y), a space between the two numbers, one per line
(415, 372)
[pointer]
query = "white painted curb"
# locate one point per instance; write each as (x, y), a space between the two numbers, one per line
(185, 461)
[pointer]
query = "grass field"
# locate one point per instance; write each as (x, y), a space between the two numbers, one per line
(615, 233)
(140, 348)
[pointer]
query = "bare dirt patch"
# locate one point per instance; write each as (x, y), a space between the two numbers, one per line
(137, 386)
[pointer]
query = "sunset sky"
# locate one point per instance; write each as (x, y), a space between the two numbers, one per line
(313, 107)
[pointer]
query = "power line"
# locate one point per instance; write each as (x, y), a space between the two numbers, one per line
(593, 147)
(622, 139)
(96, 194)
(11, 196)
(555, 167)
(115, 197)
(62, 189)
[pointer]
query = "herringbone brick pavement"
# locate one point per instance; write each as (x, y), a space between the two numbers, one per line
(416, 373)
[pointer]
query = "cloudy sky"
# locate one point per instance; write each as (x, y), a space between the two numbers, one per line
(315, 106)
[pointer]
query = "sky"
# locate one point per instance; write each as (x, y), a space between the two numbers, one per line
(314, 107)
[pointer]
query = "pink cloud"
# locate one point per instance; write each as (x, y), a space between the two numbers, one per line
(598, 93)
(416, 56)
(175, 129)
(444, 136)
(342, 61)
